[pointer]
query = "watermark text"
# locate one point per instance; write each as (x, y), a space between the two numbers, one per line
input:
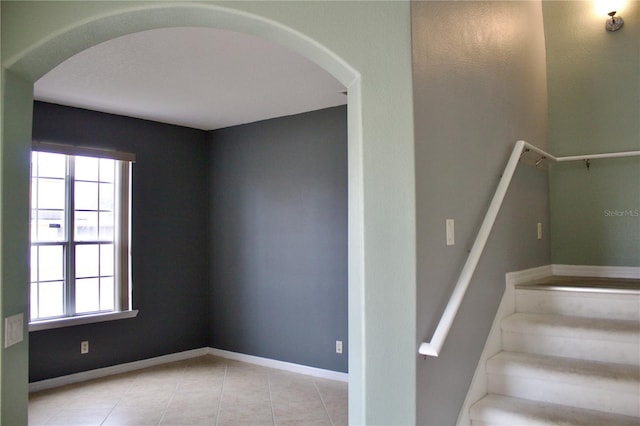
(622, 213)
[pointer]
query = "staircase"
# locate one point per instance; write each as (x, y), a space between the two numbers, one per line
(570, 356)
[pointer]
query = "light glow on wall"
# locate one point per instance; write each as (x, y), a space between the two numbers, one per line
(602, 7)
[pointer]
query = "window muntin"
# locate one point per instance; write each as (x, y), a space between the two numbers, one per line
(79, 232)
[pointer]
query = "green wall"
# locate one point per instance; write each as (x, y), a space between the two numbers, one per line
(14, 230)
(365, 45)
(594, 106)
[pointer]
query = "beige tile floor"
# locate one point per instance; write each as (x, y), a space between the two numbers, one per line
(202, 391)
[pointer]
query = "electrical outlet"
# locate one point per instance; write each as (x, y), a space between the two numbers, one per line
(338, 346)
(84, 347)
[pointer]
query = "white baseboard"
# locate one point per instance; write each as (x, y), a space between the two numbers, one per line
(115, 369)
(519, 277)
(180, 356)
(478, 387)
(597, 271)
(281, 365)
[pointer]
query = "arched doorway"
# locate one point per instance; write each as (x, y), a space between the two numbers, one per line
(28, 67)
(366, 46)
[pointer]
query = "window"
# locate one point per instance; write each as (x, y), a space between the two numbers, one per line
(80, 219)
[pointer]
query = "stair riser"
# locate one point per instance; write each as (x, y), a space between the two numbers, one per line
(595, 305)
(593, 350)
(506, 411)
(594, 398)
(571, 356)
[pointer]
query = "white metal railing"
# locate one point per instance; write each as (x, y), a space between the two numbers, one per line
(434, 347)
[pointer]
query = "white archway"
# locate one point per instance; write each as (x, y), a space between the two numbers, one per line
(367, 47)
(25, 68)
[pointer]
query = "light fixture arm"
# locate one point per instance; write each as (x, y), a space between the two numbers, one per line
(614, 23)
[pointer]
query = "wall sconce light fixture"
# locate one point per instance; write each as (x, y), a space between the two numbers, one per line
(614, 23)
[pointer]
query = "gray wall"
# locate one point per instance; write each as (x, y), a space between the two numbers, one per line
(479, 85)
(265, 235)
(279, 238)
(169, 243)
(594, 98)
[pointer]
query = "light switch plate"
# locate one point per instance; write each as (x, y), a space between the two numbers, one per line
(13, 327)
(451, 233)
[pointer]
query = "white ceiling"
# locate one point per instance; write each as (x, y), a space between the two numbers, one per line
(202, 78)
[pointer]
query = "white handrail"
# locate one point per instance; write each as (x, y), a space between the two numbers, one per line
(434, 347)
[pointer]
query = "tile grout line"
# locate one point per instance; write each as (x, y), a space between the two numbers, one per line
(119, 398)
(109, 413)
(273, 414)
(326, 410)
(49, 417)
(173, 394)
(224, 379)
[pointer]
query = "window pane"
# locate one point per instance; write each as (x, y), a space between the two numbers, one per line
(86, 168)
(47, 225)
(34, 163)
(107, 170)
(106, 260)
(34, 193)
(106, 226)
(107, 297)
(51, 299)
(87, 260)
(51, 263)
(86, 226)
(33, 301)
(33, 266)
(107, 196)
(87, 295)
(86, 196)
(51, 165)
(33, 226)
(50, 194)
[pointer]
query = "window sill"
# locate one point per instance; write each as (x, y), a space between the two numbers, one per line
(79, 320)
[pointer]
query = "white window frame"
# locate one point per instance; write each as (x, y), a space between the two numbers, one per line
(122, 238)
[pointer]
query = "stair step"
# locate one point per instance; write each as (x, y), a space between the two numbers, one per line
(597, 298)
(593, 284)
(606, 387)
(594, 339)
(504, 410)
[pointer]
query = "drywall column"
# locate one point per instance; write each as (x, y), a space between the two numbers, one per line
(14, 230)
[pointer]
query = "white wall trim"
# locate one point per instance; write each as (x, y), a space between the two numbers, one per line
(281, 365)
(526, 275)
(115, 369)
(493, 345)
(181, 356)
(81, 319)
(597, 271)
